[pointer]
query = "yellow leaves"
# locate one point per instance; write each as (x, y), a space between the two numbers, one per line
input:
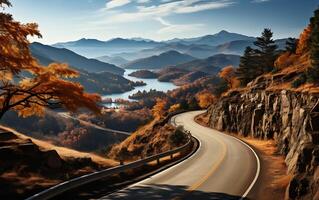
(6, 76)
(228, 74)
(285, 60)
(62, 70)
(25, 83)
(45, 86)
(159, 108)
(32, 109)
(174, 107)
(303, 44)
(205, 99)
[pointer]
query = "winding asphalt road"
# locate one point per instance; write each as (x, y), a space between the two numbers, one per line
(222, 168)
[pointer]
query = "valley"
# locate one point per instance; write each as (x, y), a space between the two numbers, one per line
(171, 99)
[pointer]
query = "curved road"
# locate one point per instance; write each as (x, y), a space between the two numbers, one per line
(222, 168)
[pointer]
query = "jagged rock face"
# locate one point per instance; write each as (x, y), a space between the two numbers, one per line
(291, 119)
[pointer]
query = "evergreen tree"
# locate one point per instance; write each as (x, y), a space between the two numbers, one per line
(267, 50)
(313, 75)
(248, 68)
(291, 45)
(256, 62)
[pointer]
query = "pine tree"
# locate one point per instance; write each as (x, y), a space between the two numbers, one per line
(267, 50)
(313, 75)
(248, 68)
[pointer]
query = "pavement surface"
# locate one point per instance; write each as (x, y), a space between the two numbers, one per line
(223, 167)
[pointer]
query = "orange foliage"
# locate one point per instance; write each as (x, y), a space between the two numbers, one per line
(285, 60)
(174, 107)
(205, 99)
(29, 93)
(159, 108)
(303, 44)
(228, 74)
(301, 59)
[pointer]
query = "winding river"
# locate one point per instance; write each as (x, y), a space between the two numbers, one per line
(150, 84)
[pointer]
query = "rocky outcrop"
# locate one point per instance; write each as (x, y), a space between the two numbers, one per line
(290, 118)
(27, 168)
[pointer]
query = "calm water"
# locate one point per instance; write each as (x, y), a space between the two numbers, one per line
(150, 84)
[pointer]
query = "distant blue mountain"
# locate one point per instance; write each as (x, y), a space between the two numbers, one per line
(137, 48)
(46, 54)
(96, 48)
(116, 42)
(82, 42)
(160, 61)
(116, 60)
(212, 40)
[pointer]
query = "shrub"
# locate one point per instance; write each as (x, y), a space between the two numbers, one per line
(178, 136)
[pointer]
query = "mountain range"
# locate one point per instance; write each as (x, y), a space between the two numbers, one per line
(95, 75)
(210, 65)
(159, 61)
(96, 48)
(116, 60)
(120, 51)
(47, 54)
(212, 40)
(236, 47)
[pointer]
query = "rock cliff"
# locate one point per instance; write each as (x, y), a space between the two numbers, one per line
(289, 118)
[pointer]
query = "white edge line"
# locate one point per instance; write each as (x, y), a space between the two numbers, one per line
(257, 172)
(258, 166)
(199, 145)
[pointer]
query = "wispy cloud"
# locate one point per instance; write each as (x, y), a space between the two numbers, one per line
(116, 3)
(259, 1)
(176, 28)
(165, 9)
(204, 6)
(143, 1)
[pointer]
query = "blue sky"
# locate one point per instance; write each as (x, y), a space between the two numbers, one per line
(65, 20)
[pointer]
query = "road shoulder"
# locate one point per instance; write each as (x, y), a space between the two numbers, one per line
(273, 179)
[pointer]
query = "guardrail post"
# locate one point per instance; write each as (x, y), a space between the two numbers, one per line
(121, 162)
(172, 156)
(158, 161)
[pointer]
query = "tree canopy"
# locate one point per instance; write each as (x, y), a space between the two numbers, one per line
(25, 85)
(313, 74)
(256, 62)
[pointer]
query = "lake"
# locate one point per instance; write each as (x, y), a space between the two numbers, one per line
(150, 84)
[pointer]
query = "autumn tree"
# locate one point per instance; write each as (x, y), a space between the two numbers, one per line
(27, 87)
(174, 107)
(205, 99)
(159, 109)
(313, 74)
(229, 75)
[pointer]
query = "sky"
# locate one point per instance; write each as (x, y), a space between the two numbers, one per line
(69, 20)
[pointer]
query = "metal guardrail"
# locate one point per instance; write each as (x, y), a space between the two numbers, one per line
(79, 181)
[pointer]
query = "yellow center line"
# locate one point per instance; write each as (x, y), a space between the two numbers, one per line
(210, 173)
